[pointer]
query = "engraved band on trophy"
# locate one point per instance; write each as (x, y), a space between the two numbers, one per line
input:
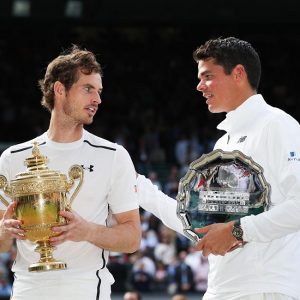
(40, 194)
(220, 187)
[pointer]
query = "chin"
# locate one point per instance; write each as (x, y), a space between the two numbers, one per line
(212, 109)
(87, 122)
(215, 110)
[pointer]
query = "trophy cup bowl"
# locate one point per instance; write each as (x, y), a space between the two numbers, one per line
(40, 195)
(220, 187)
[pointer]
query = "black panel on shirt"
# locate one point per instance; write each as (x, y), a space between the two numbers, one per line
(97, 146)
(23, 149)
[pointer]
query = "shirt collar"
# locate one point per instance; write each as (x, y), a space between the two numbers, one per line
(64, 146)
(243, 114)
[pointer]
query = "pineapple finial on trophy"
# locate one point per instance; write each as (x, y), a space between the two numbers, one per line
(37, 161)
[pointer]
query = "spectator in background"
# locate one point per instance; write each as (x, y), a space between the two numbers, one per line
(141, 279)
(165, 250)
(184, 275)
(160, 277)
(171, 276)
(179, 297)
(132, 295)
(152, 175)
(5, 286)
(171, 186)
(200, 272)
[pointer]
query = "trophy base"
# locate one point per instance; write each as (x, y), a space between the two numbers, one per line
(47, 266)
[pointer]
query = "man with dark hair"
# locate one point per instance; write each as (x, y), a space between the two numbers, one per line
(266, 265)
(71, 89)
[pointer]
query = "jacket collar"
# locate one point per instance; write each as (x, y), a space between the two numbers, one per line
(243, 115)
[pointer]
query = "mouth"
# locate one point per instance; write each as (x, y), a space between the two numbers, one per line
(208, 97)
(91, 110)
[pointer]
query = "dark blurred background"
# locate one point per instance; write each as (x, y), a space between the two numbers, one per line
(149, 103)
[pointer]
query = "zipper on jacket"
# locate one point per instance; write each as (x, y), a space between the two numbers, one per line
(228, 139)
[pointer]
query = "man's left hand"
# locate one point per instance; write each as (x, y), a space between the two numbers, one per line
(76, 229)
(217, 240)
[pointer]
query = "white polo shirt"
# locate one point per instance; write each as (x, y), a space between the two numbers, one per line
(270, 262)
(108, 187)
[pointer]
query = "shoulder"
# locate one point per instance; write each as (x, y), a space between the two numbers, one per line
(23, 147)
(277, 119)
(97, 142)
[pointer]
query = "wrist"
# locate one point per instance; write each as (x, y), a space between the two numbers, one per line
(237, 231)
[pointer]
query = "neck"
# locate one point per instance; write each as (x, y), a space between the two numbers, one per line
(242, 98)
(64, 132)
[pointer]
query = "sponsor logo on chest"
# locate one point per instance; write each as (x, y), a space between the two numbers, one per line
(293, 156)
(88, 167)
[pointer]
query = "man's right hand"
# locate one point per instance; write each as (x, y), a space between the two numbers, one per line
(10, 228)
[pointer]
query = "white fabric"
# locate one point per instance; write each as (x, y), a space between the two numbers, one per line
(109, 180)
(58, 285)
(155, 201)
(264, 296)
(270, 261)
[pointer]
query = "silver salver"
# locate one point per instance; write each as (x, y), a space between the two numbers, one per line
(220, 187)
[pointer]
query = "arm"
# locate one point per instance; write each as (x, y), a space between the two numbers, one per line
(283, 173)
(122, 200)
(162, 206)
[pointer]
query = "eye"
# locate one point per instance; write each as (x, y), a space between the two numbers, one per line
(88, 89)
(208, 77)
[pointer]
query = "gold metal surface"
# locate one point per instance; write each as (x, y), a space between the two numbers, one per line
(40, 194)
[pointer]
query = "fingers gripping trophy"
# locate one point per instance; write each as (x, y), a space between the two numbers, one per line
(40, 194)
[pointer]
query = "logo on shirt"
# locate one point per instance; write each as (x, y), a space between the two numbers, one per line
(242, 139)
(293, 156)
(90, 168)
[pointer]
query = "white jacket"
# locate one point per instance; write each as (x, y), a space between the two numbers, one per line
(270, 261)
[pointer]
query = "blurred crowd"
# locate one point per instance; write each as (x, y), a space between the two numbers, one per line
(166, 261)
(150, 106)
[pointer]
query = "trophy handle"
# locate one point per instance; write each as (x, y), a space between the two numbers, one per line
(3, 186)
(75, 172)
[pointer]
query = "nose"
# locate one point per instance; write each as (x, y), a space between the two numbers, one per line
(97, 98)
(201, 86)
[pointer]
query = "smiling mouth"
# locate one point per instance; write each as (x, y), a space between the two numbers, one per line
(207, 96)
(91, 110)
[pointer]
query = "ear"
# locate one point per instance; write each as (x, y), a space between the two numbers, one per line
(239, 72)
(59, 89)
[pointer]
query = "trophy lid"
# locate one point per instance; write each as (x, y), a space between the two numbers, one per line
(38, 177)
(37, 161)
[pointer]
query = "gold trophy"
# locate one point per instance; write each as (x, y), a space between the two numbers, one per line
(40, 195)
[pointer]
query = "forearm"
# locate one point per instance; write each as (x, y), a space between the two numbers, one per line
(121, 237)
(158, 203)
(5, 245)
(280, 221)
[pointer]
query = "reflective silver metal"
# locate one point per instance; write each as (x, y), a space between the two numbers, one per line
(219, 187)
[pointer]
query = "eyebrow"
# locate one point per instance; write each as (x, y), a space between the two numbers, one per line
(204, 73)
